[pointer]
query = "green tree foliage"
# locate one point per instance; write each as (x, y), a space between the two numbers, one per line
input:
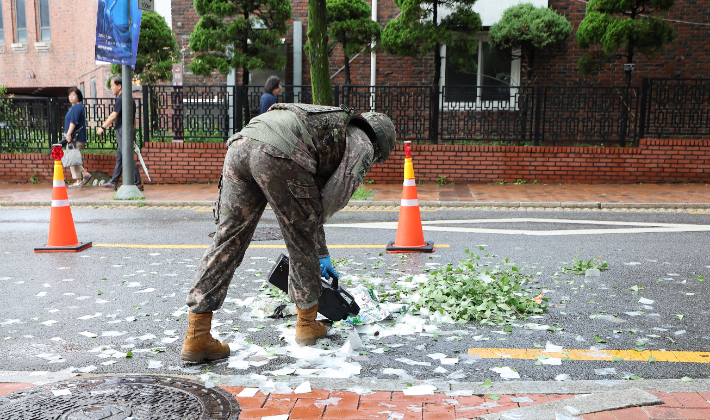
(350, 26)
(623, 27)
(234, 34)
(528, 29)
(419, 31)
(317, 51)
(157, 50)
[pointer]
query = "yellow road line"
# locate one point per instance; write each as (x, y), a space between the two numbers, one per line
(209, 210)
(250, 246)
(699, 212)
(605, 355)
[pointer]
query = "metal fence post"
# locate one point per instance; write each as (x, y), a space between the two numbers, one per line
(240, 107)
(645, 92)
(538, 97)
(336, 96)
(146, 114)
(51, 121)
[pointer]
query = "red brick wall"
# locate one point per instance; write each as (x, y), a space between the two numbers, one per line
(71, 59)
(653, 161)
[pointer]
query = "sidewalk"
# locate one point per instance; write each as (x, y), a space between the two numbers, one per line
(386, 405)
(507, 195)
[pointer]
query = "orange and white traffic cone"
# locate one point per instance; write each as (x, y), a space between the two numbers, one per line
(62, 234)
(410, 237)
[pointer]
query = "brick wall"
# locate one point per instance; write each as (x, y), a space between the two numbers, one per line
(652, 162)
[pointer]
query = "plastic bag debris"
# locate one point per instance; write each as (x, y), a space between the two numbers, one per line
(329, 401)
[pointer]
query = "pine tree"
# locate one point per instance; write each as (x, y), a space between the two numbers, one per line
(238, 34)
(528, 29)
(623, 27)
(351, 28)
(418, 31)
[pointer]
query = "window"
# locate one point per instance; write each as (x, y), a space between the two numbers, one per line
(20, 21)
(81, 88)
(44, 34)
(2, 28)
(492, 80)
(92, 88)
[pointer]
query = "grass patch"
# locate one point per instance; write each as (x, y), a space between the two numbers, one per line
(362, 193)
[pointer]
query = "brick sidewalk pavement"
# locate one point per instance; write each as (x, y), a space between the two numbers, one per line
(528, 193)
(386, 405)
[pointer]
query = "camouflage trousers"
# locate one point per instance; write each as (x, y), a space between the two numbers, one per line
(254, 174)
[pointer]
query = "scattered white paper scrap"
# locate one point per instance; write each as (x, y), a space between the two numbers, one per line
(40, 294)
(304, 388)
(87, 369)
(155, 364)
(646, 301)
(148, 290)
(413, 362)
(605, 371)
(419, 390)
(449, 361)
(112, 333)
(248, 392)
(60, 392)
(563, 377)
(437, 356)
(279, 417)
(522, 400)
(88, 334)
(551, 348)
(49, 322)
(554, 361)
(506, 372)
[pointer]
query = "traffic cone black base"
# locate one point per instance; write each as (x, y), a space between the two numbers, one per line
(393, 249)
(73, 248)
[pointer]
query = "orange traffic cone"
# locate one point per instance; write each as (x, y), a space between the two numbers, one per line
(62, 235)
(410, 237)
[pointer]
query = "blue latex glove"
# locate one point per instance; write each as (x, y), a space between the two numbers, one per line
(326, 268)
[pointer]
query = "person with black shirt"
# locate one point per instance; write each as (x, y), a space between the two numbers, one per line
(116, 118)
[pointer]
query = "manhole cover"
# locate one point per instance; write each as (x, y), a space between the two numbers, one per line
(263, 234)
(120, 398)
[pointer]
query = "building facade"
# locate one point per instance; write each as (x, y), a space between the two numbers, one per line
(688, 56)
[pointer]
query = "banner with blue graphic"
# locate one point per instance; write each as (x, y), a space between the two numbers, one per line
(112, 35)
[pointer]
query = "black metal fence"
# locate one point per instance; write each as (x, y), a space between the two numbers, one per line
(34, 124)
(538, 115)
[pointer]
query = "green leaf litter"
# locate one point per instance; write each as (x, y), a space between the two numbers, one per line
(473, 290)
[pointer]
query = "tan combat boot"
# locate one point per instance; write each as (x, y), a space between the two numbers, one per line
(308, 330)
(199, 344)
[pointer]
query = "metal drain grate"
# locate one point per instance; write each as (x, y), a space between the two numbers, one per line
(121, 398)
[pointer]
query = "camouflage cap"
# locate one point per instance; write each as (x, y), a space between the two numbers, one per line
(382, 133)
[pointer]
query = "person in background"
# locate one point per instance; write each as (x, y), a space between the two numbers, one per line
(116, 118)
(75, 125)
(272, 88)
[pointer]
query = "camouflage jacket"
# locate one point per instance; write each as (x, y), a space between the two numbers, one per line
(337, 161)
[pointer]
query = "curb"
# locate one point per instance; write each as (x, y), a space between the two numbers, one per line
(387, 385)
(366, 203)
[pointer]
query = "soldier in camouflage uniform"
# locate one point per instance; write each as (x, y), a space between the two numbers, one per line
(306, 161)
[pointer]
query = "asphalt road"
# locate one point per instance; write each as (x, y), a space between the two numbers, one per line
(132, 298)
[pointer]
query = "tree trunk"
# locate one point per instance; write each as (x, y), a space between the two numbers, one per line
(348, 82)
(318, 55)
